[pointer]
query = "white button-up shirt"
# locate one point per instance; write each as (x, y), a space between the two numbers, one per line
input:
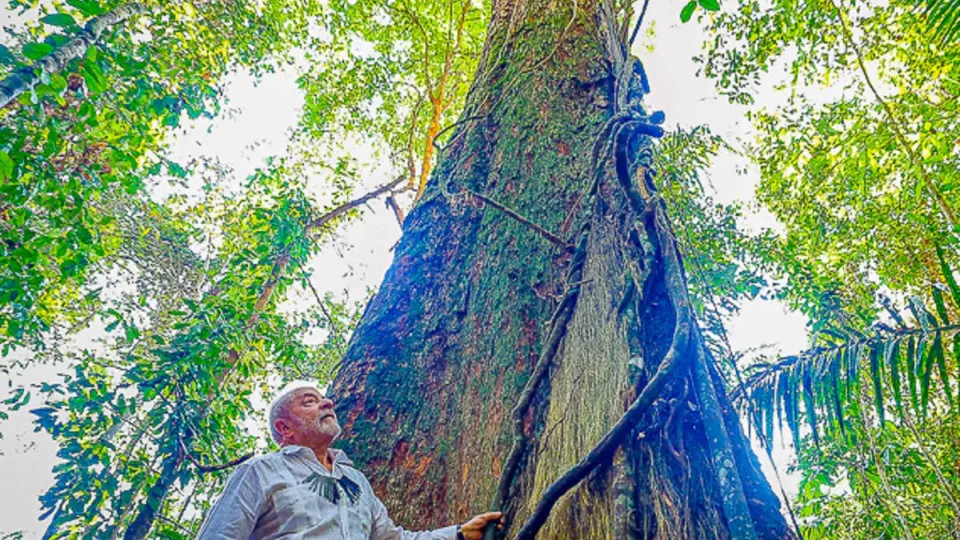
(272, 496)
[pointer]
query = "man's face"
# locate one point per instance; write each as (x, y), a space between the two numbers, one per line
(309, 418)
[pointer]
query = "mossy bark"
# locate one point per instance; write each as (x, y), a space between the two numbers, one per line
(448, 342)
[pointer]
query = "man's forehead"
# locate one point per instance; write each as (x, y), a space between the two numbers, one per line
(302, 392)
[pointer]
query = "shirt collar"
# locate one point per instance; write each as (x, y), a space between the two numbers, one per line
(339, 456)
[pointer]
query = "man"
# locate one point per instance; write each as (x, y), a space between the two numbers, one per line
(309, 490)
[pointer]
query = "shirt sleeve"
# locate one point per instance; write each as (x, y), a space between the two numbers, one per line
(235, 515)
(383, 528)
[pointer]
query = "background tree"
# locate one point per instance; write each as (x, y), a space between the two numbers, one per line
(95, 127)
(863, 180)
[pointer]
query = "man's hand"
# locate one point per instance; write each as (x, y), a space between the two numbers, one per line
(473, 529)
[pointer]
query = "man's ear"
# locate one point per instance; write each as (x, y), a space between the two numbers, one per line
(283, 428)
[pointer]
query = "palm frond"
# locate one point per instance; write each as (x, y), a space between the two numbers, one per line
(828, 379)
(943, 17)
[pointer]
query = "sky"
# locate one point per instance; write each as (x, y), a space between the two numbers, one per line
(266, 111)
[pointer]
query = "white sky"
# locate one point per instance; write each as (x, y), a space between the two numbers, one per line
(268, 111)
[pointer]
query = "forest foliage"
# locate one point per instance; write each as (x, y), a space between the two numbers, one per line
(147, 304)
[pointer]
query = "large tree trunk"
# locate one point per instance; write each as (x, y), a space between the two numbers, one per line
(446, 346)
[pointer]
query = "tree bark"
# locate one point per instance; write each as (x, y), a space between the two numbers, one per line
(446, 346)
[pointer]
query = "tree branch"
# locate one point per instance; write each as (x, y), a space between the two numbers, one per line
(27, 77)
(211, 468)
(347, 206)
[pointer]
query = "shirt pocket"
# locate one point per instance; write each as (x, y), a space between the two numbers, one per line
(298, 508)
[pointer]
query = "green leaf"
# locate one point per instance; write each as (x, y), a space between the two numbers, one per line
(942, 368)
(6, 57)
(956, 356)
(86, 109)
(90, 8)
(780, 387)
(851, 363)
(810, 407)
(58, 83)
(36, 51)
(59, 19)
(131, 332)
(941, 307)
(766, 411)
(94, 77)
(911, 360)
(69, 268)
(927, 371)
(837, 401)
(6, 166)
(791, 406)
(948, 277)
(893, 363)
(875, 376)
(84, 236)
(688, 10)
(710, 5)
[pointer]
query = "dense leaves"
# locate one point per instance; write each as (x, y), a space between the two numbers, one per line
(858, 161)
(92, 132)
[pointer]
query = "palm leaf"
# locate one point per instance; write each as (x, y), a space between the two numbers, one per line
(956, 356)
(808, 403)
(926, 371)
(911, 358)
(948, 274)
(875, 376)
(944, 376)
(941, 306)
(943, 17)
(825, 381)
(893, 362)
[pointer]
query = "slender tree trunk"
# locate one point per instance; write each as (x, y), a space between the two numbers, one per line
(27, 77)
(150, 508)
(447, 345)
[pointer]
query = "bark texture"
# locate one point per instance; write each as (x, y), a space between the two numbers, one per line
(446, 346)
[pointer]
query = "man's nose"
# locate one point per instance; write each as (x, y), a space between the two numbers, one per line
(326, 403)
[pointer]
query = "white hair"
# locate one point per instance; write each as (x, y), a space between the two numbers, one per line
(278, 407)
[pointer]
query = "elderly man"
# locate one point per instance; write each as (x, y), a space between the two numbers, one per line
(309, 490)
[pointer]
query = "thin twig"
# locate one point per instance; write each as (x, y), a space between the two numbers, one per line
(210, 468)
(397, 211)
(334, 327)
(556, 240)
